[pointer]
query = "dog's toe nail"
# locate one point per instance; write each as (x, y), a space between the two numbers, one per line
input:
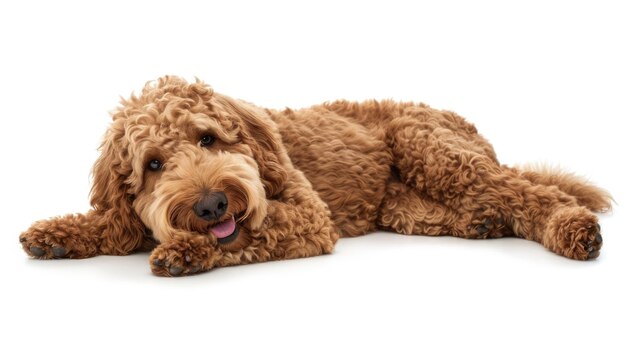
(175, 270)
(598, 227)
(488, 223)
(187, 258)
(158, 262)
(589, 248)
(599, 238)
(22, 239)
(37, 251)
(194, 269)
(59, 251)
(481, 229)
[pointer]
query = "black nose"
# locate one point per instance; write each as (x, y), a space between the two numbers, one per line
(211, 206)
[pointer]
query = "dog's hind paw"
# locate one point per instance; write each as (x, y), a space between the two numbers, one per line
(487, 224)
(574, 233)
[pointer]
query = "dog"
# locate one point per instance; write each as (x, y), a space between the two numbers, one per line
(203, 180)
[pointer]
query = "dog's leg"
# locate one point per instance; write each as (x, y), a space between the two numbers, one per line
(541, 213)
(448, 166)
(300, 228)
(406, 211)
(82, 236)
(71, 236)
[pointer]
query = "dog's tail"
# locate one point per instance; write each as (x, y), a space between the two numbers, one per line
(594, 198)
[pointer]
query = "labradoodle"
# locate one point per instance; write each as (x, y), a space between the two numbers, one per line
(203, 180)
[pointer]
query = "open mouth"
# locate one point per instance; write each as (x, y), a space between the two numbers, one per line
(225, 231)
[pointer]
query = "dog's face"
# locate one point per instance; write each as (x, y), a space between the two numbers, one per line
(180, 158)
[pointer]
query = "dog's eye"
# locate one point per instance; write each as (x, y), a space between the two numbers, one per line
(155, 165)
(207, 140)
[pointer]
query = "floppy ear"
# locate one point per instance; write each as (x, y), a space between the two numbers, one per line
(259, 132)
(122, 229)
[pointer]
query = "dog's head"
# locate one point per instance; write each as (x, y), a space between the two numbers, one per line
(181, 158)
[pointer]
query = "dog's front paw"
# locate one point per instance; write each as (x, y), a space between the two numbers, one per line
(574, 233)
(182, 256)
(62, 237)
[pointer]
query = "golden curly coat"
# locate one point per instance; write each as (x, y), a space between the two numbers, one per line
(205, 181)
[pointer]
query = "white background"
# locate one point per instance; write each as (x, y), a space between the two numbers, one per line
(544, 81)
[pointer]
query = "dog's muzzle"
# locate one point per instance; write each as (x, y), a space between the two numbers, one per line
(210, 208)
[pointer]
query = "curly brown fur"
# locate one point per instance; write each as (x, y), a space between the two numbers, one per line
(289, 183)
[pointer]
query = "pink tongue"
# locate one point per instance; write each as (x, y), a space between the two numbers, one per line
(223, 229)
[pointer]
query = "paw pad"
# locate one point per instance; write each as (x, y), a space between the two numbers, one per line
(37, 251)
(59, 251)
(175, 270)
